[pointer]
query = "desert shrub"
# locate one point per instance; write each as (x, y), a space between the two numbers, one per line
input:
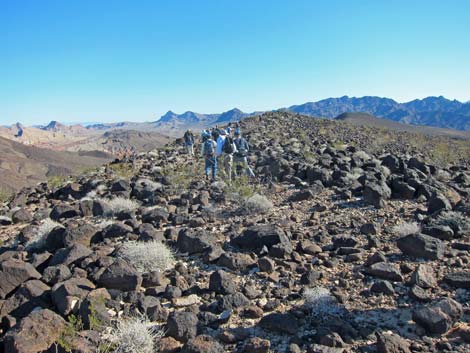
(147, 256)
(455, 220)
(5, 195)
(38, 241)
(321, 303)
(134, 335)
(257, 204)
(120, 204)
(70, 333)
(56, 181)
(122, 170)
(407, 228)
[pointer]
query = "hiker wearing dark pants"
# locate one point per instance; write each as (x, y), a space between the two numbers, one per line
(210, 160)
(189, 142)
(240, 156)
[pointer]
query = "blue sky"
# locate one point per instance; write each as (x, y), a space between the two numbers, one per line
(134, 60)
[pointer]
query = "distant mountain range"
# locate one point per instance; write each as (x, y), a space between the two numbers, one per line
(430, 111)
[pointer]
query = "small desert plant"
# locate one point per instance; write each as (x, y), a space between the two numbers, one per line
(56, 181)
(70, 333)
(120, 204)
(257, 204)
(147, 256)
(122, 170)
(407, 228)
(134, 335)
(321, 303)
(38, 241)
(5, 195)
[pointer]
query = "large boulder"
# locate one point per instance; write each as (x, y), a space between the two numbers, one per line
(222, 283)
(30, 295)
(194, 241)
(35, 333)
(66, 295)
(391, 343)
(63, 211)
(283, 323)
(121, 275)
(439, 318)
(68, 256)
(458, 279)
(14, 272)
(203, 344)
(421, 246)
(376, 194)
(259, 236)
(182, 326)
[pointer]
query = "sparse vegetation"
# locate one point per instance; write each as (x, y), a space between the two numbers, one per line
(455, 220)
(120, 204)
(242, 187)
(56, 181)
(180, 176)
(407, 228)
(147, 256)
(70, 333)
(134, 335)
(5, 195)
(257, 204)
(321, 303)
(122, 170)
(40, 236)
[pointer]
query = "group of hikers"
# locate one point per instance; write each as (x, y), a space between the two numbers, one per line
(225, 147)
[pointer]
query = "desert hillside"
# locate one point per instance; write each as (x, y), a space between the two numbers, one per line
(349, 239)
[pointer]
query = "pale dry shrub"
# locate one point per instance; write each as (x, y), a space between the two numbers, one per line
(134, 335)
(407, 228)
(321, 303)
(258, 204)
(118, 205)
(38, 241)
(147, 256)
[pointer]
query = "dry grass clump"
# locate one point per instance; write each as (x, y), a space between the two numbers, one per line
(257, 204)
(134, 335)
(38, 241)
(147, 256)
(407, 228)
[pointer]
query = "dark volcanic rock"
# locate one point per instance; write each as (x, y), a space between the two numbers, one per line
(13, 273)
(203, 344)
(421, 246)
(258, 236)
(424, 277)
(35, 333)
(439, 317)
(385, 270)
(458, 279)
(392, 343)
(69, 255)
(222, 283)
(283, 323)
(182, 326)
(120, 275)
(63, 211)
(376, 194)
(193, 241)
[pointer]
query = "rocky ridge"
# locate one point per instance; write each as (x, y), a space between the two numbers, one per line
(346, 242)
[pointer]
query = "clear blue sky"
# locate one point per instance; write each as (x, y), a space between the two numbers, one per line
(118, 60)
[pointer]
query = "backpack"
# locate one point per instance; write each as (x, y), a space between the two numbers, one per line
(241, 147)
(209, 148)
(228, 145)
